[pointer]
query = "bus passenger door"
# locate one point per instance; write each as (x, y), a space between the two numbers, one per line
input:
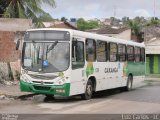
(77, 72)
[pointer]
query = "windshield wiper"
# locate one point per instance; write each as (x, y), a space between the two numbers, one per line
(52, 46)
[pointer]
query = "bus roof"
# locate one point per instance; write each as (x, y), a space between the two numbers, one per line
(94, 36)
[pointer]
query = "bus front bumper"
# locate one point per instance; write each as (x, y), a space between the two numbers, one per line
(45, 89)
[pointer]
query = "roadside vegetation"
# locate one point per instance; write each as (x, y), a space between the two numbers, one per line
(31, 9)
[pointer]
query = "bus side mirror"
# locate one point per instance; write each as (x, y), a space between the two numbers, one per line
(17, 45)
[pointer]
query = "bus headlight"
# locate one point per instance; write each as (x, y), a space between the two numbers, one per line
(25, 79)
(61, 81)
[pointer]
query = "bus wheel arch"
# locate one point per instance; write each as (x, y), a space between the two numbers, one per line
(93, 79)
(89, 89)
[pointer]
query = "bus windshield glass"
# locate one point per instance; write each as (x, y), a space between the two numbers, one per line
(47, 57)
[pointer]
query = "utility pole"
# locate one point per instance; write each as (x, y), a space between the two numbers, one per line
(154, 10)
(114, 11)
(114, 14)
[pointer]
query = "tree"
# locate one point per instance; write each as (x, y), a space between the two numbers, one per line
(64, 19)
(25, 9)
(81, 24)
(92, 24)
(46, 17)
(136, 30)
(135, 27)
(3, 5)
(153, 21)
(86, 25)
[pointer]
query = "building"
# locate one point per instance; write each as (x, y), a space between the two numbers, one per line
(11, 31)
(123, 33)
(152, 43)
(106, 21)
(60, 24)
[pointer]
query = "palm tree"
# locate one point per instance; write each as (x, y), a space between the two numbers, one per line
(25, 9)
(136, 30)
(135, 27)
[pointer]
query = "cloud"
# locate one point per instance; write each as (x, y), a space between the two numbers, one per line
(142, 12)
(102, 8)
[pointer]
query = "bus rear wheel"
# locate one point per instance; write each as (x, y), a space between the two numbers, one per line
(129, 83)
(89, 91)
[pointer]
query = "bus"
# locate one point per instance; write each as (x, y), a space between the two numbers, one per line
(69, 62)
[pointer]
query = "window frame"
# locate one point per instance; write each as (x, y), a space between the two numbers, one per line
(95, 56)
(141, 55)
(80, 65)
(133, 53)
(110, 51)
(136, 54)
(123, 53)
(106, 51)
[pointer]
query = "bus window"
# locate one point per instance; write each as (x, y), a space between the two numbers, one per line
(122, 52)
(101, 51)
(142, 54)
(77, 54)
(130, 53)
(90, 50)
(137, 54)
(113, 52)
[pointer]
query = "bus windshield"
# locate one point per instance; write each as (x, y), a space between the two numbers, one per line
(45, 57)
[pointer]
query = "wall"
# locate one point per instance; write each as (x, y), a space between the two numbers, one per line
(8, 52)
(152, 49)
(152, 39)
(126, 35)
(11, 30)
(14, 24)
(153, 64)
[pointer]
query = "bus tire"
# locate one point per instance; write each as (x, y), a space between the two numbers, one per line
(129, 83)
(88, 91)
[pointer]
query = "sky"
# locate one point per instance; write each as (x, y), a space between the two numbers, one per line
(89, 9)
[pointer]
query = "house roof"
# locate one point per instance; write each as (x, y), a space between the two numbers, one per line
(108, 30)
(59, 24)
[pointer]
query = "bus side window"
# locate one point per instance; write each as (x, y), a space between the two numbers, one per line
(142, 54)
(137, 54)
(113, 52)
(77, 54)
(90, 50)
(101, 50)
(130, 53)
(122, 52)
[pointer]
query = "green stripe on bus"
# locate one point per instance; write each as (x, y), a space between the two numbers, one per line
(133, 69)
(45, 89)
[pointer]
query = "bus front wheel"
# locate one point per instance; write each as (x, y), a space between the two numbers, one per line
(49, 96)
(88, 91)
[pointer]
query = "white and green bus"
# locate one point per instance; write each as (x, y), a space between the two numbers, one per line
(69, 62)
